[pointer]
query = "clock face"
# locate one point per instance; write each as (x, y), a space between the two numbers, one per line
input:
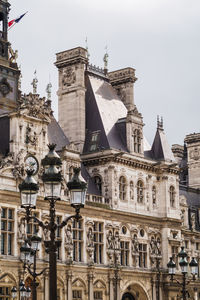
(31, 163)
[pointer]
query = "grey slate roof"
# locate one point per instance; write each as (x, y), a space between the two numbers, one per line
(56, 135)
(160, 149)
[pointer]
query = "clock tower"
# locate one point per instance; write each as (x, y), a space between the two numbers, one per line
(9, 72)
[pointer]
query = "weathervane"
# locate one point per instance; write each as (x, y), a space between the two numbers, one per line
(34, 83)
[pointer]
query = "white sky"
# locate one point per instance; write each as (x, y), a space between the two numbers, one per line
(159, 38)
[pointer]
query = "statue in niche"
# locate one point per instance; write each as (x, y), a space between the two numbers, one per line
(22, 230)
(110, 244)
(135, 244)
(46, 233)
(90, 238)
(68, 236)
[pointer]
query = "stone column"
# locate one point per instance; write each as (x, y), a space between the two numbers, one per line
(111, 288)
(46, 286)
(90, 285)
(69, 284)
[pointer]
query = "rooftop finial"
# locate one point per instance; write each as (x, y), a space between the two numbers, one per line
(34, 83)
(20, 79)
(86, 47)
(160, 123)
(105, 59)
(48, 90)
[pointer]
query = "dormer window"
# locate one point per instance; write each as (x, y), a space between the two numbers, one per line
(94, 141)
(137, 141)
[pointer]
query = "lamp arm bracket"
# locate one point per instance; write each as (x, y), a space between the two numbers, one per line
(38, 274)
(77, 216)
(40, 223)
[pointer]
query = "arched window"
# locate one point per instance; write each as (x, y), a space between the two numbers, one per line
(98, 183)
(154, 194)
(137, 141)
(131, 190)
(140, 191)
(122, 188)
(172, 196)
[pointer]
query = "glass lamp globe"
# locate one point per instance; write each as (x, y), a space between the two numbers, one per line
(25, 251)
(77, 188)
(35, 242)
(193, 266)
(28, 190)
(14, 292)
(171, 266)
(184, 265)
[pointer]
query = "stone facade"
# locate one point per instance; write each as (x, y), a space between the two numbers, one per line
(142, 202)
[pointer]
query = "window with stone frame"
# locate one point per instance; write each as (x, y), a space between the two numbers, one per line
(5, 293)
(172, 196)
(174, 251)
(77, 233)
(154, 196)
(76, 295)
(122, 188)
(32, 226)
(7, 231)
(143, 255)
(137, 141)
(98, 183)
(98, 242)
(98, 295)
(124, 257)
(140, 191)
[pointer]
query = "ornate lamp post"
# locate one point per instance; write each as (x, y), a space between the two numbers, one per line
(183, 263)
(52, 183)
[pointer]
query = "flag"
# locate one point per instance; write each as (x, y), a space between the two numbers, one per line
(14, 21)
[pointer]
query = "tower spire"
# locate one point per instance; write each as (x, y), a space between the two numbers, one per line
(160, 123)
(105, 59)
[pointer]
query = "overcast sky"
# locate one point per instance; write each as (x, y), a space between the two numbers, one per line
(159, 38)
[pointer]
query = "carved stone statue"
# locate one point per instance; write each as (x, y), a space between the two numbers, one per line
(90, 238)
(34, 83)
(48, 90)
(22, 230)
(69, 244)
(6, 161)
(193, 224)
(105, 59)
(110, 242)
(135, 244)
(13, 55)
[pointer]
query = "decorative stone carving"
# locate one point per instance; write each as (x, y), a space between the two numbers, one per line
(19, 165)
(195, 154)
(22, 230)
(69, 77)
(155, 249)
(13, 55)
(113, 247)
(5, 87)
(34, 83)
(34, 106)
(135, 250)
(193, 222)
(90, 245)
(69, 243)
(6, 161)
(31, 136)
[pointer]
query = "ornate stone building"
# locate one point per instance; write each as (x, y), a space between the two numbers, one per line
(142, 201)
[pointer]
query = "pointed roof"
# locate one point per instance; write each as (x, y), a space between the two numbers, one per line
(160, 149)
(56, 135)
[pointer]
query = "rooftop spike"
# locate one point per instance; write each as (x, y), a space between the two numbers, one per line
(160, 123)
(34, 83)
(105, 59)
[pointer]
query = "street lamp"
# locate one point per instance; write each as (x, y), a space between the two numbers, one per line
(183, 263)
(52, 179)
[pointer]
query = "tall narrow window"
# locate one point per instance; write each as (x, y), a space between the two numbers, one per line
(124, 253)
(94, 141)
(122, 188)
(172, 196)
(98, 242)
(140, 191)
(5, 293)
(137, 141)
(131, 190)
(76, 295)
(77, 228)
(142, 255)
(98, 183)
(174, 250)
(154, 194)
(7, 231)
(98, 295)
